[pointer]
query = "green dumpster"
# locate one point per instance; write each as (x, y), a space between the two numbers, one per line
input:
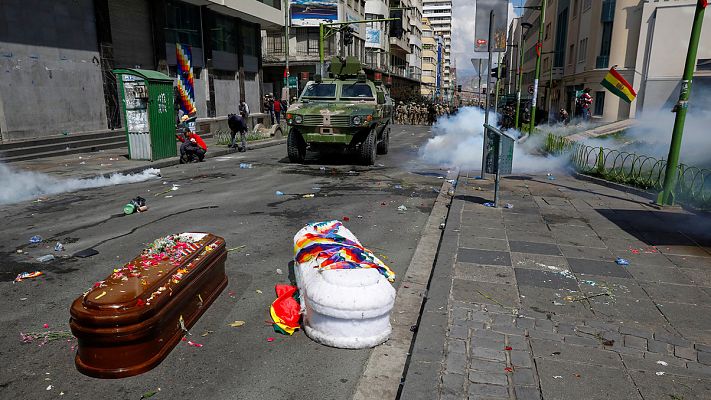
(147, 99)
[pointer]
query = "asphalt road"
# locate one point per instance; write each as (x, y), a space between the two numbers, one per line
(241, 206)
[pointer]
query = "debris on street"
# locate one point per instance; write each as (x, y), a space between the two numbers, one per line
(285, 310)
(35, 239)
(45, 337)
(622, 261)
(402, 208)
(28, 275)
(86, 253)
(489, 204)
(59, 247)
(45, 258)
(279, 193)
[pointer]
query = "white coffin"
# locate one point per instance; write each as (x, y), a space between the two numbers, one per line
(345, 308)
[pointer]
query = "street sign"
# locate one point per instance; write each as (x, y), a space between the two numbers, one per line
(292, 82)
(499, 152)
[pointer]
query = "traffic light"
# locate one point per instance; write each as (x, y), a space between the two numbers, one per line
(347, 35)
(459, 88)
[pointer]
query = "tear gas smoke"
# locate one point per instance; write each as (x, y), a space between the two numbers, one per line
(17, 186)
(459, 139)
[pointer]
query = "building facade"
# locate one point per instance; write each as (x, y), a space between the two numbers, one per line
(439, 14)
(646, 42)
(430, 67)
(57, 59)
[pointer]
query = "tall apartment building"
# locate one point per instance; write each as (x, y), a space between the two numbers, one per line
(439, 14)
(430, 66)
(58, 56)
(583, 39)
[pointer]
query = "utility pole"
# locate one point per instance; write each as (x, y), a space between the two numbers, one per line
(479, 94)
(286, 49)
(492, 17)
(539, 48)
(666, 196)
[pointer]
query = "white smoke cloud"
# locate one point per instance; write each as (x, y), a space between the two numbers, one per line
(458, 141)
(17, 186)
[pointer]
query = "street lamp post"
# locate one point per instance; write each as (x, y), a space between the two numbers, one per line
(666, 196)
(539, 44)
(286, 50)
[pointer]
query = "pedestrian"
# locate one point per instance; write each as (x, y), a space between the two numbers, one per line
(243, 109)
(237, 124)
(277, 111)
(563, 116)
(268, 108)
(193, 148)
(585, 101)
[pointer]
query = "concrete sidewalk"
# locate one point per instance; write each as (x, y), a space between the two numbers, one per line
(529, 303)
(87, 165)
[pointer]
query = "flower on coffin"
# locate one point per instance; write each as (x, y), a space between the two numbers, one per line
(140, 303)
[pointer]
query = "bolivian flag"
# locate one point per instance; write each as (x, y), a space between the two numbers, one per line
(615, 83)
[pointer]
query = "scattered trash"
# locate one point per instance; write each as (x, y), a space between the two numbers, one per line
(352, 173)
(508, 348)
(664, 363)
(245, 166)
(278, 193)
(660, 373)
(49, 387)
(191, 343)
(557, 377)
(345, 219)
(86, 253)
(259, 291)
(452, 181)
(236, 248)
(413, 328)
(19, 251)
(316, 188)
(307, 196)
(359, 216)
(35, 239)
(508, 369)
(173, 188)
(28, 275)
(207, 333)
(137, 204)
(279, 271)
(59, 247)
(149, 394)
(236, 324)
(402, 208)
(45, 326)
(489, 204)
(508, 205)
(442, 225)
(46, 336)
(398, 186)
(477, 188)
(322, 168)
(285, 309)
(45, 258)
(440, 177)
(450, 192)
(622, 261)
(270, 339)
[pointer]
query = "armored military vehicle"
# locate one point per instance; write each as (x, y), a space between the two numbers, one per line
(344, 112)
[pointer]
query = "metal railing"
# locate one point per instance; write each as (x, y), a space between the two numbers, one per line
(644, 172)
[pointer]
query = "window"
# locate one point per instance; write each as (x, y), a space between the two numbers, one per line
(582, 50)
(250, 38)
(599, 103)
(357, 90)
(182, 22)
(320, 90)
(222, 33)
(571, 54)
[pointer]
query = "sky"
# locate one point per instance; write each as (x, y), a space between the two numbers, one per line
(463, 16)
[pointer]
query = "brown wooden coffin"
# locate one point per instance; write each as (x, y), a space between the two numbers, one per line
(128, 323)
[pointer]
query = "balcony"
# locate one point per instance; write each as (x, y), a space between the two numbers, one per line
(602, 62)
(399, 46)
(305, 50)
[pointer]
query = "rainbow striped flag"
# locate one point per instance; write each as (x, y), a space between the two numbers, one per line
(186, 89)
(617, 85)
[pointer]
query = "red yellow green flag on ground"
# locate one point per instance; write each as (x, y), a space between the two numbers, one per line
(615, 83)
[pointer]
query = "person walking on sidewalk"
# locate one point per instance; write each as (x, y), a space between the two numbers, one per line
(243, 109)
(237, 124)
(277, 111)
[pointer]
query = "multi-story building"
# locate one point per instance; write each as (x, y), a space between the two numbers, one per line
(646, 42)
(57, 60)
(382, 46)
(439, 14)
(430, 66)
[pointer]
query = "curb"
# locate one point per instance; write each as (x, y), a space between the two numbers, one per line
(168, 162)
(614, 185)
(387, 364)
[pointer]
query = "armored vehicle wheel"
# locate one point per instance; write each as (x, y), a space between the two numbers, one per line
(367, 149)
(295, 147)
(384, 143)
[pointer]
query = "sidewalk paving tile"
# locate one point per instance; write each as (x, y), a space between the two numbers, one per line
(535, 248)
(483, 292)
(487, 257)
(545, 279)
(514, 233)
(562, 380)
(483, 243)
(653, 386)
(595, 267)
(670, 293)
(538, 261)
(484, 273)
